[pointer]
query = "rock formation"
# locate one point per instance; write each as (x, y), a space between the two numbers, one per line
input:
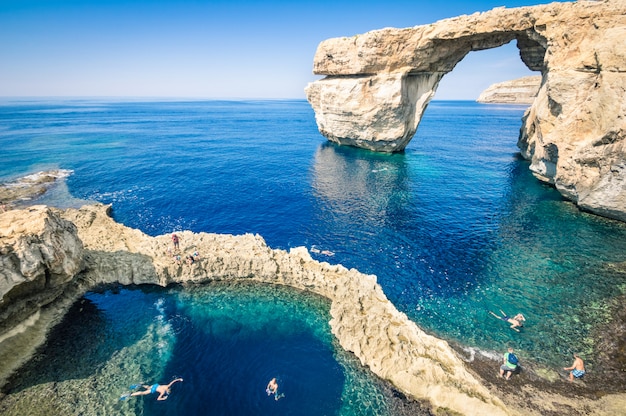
(51, 257)
(516, 91)
(80, 249)
(378, 84)
(29, 187)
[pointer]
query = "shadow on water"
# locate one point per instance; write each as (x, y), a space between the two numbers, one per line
(227, 340)
(379, 206)
(76, 348)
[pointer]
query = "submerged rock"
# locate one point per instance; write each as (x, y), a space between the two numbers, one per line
(29, 187)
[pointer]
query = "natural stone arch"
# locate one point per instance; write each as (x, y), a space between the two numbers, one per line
(378, 85)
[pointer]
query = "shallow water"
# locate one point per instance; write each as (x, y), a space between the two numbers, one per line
(454, 227)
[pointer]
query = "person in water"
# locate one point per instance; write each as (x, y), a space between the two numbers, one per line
(577, 369)
(163, 390)
(272, 388)
(516, 322)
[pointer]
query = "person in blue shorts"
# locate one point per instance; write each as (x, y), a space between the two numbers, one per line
(577, 369)
(516, 321)
(162, 389)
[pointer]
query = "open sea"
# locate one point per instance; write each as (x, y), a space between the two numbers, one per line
(454, 227)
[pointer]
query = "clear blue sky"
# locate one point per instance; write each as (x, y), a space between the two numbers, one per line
(210, 49)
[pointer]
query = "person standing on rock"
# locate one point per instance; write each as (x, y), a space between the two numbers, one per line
(175, 241)
(577, 369)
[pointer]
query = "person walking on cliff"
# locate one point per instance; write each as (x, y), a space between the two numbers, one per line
(577, 369)
(510, 364)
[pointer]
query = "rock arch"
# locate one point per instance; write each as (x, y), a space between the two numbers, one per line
(378, 84)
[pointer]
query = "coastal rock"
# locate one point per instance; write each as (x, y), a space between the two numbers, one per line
(26, 188)
(39, 254)
(517, 91)
(378, 84)
(85, 249)
(363, 319)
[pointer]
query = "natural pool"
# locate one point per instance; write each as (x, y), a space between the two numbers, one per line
(226, 340)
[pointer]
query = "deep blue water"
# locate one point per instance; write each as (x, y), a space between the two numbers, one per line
(453, 227)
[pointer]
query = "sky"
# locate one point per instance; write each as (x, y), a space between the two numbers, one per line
(208, 49)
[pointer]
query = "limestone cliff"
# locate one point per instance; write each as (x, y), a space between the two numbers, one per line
(66, 253)
(363, 320)
(378, 84)
(517, 91)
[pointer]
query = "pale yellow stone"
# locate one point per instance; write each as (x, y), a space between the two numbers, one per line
(379, 83)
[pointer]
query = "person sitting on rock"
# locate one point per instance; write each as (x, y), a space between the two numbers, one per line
(577, 368)
(509, 366)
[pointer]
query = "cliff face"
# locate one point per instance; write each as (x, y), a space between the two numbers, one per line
(518, 91)
(378, 85)
(85, 248)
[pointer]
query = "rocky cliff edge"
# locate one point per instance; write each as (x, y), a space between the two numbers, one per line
(51, 257)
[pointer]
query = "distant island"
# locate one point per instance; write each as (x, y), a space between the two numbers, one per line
(516, 91)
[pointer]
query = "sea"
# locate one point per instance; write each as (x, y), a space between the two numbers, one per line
(454, 227)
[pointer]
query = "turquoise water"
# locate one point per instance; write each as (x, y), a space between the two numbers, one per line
(454, 227)
(225, 340)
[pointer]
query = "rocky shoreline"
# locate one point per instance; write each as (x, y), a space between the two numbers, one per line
(51, 257)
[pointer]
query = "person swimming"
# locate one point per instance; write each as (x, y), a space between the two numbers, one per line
(516, 322)
(272, 388)
(163, 390)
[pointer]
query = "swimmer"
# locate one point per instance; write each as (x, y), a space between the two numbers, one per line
(272, 388)
(516, 322)
(163, 390)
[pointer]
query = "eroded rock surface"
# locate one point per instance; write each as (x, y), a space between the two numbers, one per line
(84, 248)
(363, 320)
(517, 91)
(378, 85)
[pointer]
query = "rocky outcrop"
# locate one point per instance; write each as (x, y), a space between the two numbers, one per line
(378, 84)
(363, 319)
(517, 91)
(26, 188)
(40, 253)
(72, 251)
